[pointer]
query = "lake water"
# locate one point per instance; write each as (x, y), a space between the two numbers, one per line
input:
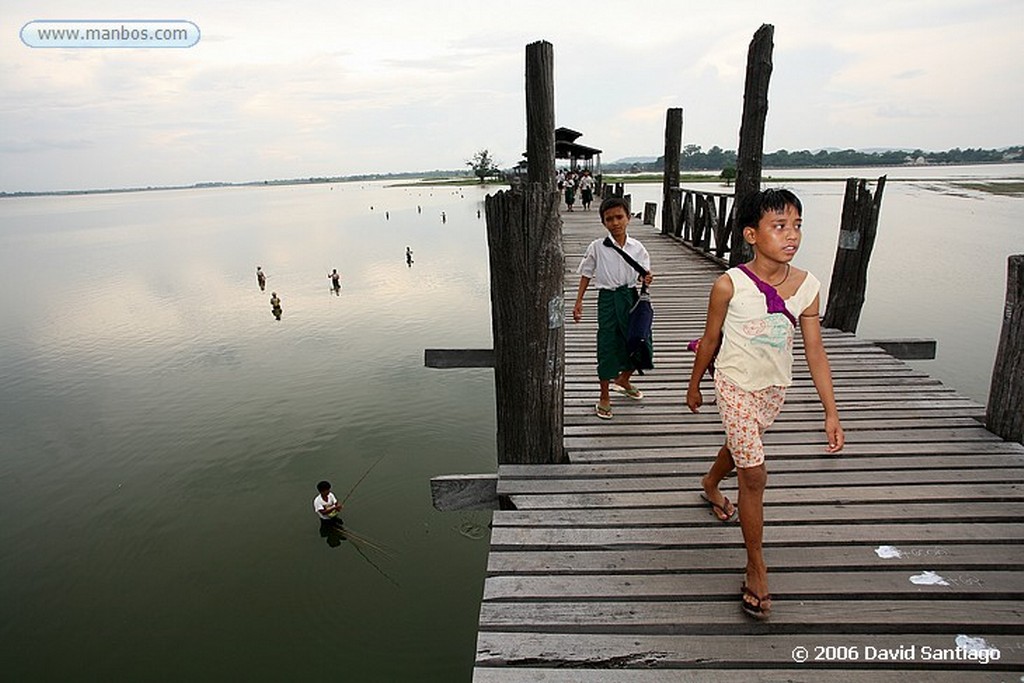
(163, 432)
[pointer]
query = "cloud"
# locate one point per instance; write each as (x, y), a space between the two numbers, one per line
(895, 111)
(912, 73)
(283, 90)
(38, 145)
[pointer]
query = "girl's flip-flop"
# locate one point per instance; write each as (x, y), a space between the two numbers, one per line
(603, 412)
(719, 510)
(756, 610)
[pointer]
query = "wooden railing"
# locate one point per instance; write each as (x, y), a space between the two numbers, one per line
(703, 220)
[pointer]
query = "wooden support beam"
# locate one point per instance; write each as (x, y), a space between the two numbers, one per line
(670, 176)
(751, 148)
(540, 113)
(908, 349)
(527, 316)
(650, 212)
(458, 358)
(1005, 413)
(453, 492)
(524, 240)
(857, 230)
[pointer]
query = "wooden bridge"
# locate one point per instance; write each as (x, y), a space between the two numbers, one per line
(899, 559)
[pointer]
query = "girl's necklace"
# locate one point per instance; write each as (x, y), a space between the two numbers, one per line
(786, 277)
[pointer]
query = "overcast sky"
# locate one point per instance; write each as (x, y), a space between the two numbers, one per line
(298, 89)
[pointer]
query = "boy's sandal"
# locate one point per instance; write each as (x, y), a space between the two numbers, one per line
(632, 392)
(603, 412)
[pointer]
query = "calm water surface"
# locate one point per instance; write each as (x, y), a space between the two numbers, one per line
(163, 432)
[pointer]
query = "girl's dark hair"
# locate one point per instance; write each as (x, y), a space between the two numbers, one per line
(611, 203)
(323, 486)
(760, 203)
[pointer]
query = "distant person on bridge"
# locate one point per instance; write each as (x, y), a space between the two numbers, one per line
(616, 281)
(570, 190)
(587, 183)
(752, 315)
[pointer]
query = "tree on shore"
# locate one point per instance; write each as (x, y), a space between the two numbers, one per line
(693, 158)
(483, 165)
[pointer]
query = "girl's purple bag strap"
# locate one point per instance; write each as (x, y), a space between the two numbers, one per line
(776, 304)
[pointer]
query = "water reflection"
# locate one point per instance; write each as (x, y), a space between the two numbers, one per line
(158, 378)
(333, 530)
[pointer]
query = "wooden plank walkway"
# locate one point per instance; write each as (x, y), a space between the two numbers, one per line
(908, 544)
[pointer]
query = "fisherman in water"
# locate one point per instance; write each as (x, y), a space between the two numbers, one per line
(327, 506)
(275, 305)
(335, 277)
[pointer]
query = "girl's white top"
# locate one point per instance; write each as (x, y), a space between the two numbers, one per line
(757, 347)
(607, 269)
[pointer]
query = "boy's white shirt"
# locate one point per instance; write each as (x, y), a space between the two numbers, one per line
(319, 504)
(607, 269)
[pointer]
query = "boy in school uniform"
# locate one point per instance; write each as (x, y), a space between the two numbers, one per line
(752, 312)
(616, 281)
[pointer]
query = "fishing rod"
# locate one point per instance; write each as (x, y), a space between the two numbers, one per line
(373, 564)
(356, 536)
(352, 490)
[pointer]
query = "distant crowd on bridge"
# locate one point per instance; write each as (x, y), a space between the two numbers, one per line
(570, 181)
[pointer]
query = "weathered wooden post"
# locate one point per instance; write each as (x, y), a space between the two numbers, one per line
(751, 147)
(670, 176)
(1005, 413)
(856, 240)
(524, 236)
(650, 212)
(540, 113)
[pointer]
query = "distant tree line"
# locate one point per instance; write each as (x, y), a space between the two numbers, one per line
(693, 158)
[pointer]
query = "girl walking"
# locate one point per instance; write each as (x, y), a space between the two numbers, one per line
(752, 315)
